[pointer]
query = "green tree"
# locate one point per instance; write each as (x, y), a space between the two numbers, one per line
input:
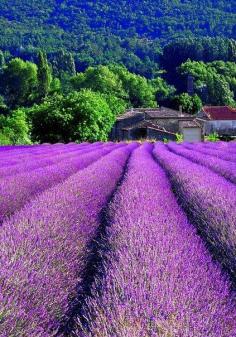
(4, 110)
(163, 90)
(190, 104)
(64, 62)
(116, 104)
(44, 76)
(214, 82)
(2, 60)
(79, 116)
(71, 65)
(141, 93)
(19, 83)
(51, 120)
(219, 91)
(117, 81)
(100, 79)
(139, 90)
(56, 86)
(14, 129)
(95, 118)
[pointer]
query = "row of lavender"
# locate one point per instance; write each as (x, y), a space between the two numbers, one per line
(17, 189)
(43, 246)
(205, 186)
(159, 279)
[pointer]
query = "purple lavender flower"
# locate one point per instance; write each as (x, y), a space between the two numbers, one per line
(218, 165)
(159, 279)
(17, 190)
(210, 201)
(44, 247)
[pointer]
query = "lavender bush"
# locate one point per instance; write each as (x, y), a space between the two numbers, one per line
(210, 201)
(43, 247)
(31, 163)
(211, 151)
(17, 157)
(16, 190)
(220, 166)
(160, 280)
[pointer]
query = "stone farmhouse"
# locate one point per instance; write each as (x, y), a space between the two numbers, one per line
(159, 124)
(219, 119)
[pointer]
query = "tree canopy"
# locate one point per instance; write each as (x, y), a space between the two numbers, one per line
(105, 31)
(215, 82)
(18, 81)
(79, 116)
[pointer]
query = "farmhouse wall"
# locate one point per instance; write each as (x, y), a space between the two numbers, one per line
(222, 127)
(117, 132)
(169, 124)
(192, 135)
(159, 135)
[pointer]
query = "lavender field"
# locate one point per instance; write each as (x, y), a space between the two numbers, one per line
(118, 239)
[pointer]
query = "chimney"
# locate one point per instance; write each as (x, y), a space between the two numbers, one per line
(181, 111)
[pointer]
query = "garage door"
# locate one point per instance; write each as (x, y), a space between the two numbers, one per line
(192, 135)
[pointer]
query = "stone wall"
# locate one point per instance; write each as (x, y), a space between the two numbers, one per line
(159, 135)
(224, 127)
(170, 124)
(117, 133)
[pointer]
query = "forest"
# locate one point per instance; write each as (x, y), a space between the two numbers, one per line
(68, 68)
(51, 100)
(100, 32)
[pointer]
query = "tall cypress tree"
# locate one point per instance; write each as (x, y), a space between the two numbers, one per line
(66, 63)
(2, 60)
(44, 76)
(71, 65)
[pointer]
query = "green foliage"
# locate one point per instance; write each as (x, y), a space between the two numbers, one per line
(2, 60)
(3, 107)
(63, 62)
(117, 81)
(213, 137)
(19, 82)
(14, 129)
(214, 81)
(189, 104)
(196, 49)
(4, 139)
(44, 76)
(99, 79)
(163, 90)
(95, 118)
(56, 86)
(105, 31)
(51, 120)
(179, 138)
(116, 104)
(79, 116)
(140, 92)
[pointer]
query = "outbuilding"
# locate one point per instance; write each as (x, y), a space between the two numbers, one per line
(158, 123)
(218, 119)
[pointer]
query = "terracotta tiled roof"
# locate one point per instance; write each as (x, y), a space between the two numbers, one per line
(129, 114)
(190, 124)
(161, 112)
(166, 113)
(220, 112)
